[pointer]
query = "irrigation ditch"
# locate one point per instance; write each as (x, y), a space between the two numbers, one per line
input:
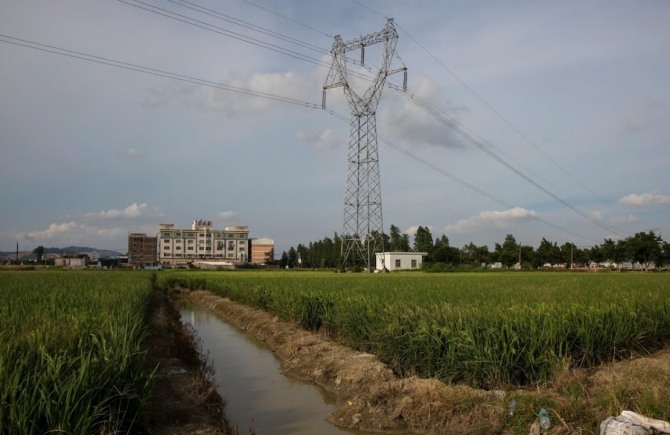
(370, 397)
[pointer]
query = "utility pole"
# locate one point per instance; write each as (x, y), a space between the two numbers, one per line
(363, 228)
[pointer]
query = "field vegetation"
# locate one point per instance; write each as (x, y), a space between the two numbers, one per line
(72, 354)
(488, 330)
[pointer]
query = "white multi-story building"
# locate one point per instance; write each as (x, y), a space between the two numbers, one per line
(202, 243)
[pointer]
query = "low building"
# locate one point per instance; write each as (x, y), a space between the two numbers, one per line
(202, 243)
(142, 250)
(71, 262)
(399, 260)
(262, 251)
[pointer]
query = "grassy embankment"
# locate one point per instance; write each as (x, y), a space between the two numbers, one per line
(489, 330)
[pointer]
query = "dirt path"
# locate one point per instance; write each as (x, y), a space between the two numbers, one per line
(371, 398)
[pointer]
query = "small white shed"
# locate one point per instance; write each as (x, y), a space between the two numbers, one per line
(399, 260)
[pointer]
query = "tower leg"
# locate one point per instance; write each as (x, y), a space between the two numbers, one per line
(362, 230)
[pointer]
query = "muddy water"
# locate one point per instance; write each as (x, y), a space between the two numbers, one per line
(249, 378)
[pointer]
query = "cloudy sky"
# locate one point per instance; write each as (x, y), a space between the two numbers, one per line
(552, 119)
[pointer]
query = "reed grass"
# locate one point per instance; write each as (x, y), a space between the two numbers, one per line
(72, 357)
(488, 330)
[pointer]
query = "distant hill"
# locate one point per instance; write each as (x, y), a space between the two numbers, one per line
(83, 250)
(28, 255)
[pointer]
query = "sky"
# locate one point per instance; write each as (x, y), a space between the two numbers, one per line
(553, 119)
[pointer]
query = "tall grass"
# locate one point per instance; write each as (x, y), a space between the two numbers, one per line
(484, 329)
(71, 351)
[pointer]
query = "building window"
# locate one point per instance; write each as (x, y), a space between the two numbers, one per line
(397, 263)
(413, 264)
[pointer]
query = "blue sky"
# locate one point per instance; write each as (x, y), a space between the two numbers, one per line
(573, 95)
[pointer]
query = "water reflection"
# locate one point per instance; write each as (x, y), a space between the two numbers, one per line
(248, 377)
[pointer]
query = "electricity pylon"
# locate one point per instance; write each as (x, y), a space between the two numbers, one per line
(363, 226)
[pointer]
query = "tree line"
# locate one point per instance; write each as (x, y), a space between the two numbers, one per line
(643, 248)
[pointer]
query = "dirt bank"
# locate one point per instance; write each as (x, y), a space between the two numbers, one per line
(371, 398)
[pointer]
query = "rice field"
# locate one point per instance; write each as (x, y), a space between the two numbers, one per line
(488, 329)
(71, 351)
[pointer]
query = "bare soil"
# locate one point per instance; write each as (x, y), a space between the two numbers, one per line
(370, 397)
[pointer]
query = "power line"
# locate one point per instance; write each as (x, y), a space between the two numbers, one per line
(431, 110)
(212, 28)
(236, 35)
(245, 24)
(460, 181)
(500, 116)
(489, 106)
(287, 18)
(151, 71)
(440, 117)
(190, 79)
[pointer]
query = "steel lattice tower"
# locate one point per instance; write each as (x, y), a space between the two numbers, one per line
(363, 228)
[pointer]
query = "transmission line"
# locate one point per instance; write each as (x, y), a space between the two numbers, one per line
(216, 29)
(245, 24)
(151, 71)
(287, 18)
(459, 180)
(434, 112)
(489, 106)
(198, 81)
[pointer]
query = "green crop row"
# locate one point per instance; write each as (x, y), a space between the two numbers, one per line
(488, 330)
(72, 357)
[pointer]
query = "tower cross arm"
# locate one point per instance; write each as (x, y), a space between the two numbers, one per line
(389, 32)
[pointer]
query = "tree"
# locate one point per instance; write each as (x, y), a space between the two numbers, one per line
(423, 240)
(547, 252)
(443, 253)
(611, 251)
(292, 257)
(395, 239)
(666, 253)
(644, 248)
(39, 253)
(283, 261)
(302, 255)
(526, 256)
(404, 243)
(567, 253)
(508, 252)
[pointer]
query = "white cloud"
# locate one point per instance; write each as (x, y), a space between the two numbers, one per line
(72, 231)
(288, 84)
(154, 99)
(411, 231)
(643, 199)
(228, 216)
(322, 140)
(491, 218)
(596, 215)
(131, 154)
(133, 211)
(52, 231)
(412, 124)
(624, 219)
(172, 91)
